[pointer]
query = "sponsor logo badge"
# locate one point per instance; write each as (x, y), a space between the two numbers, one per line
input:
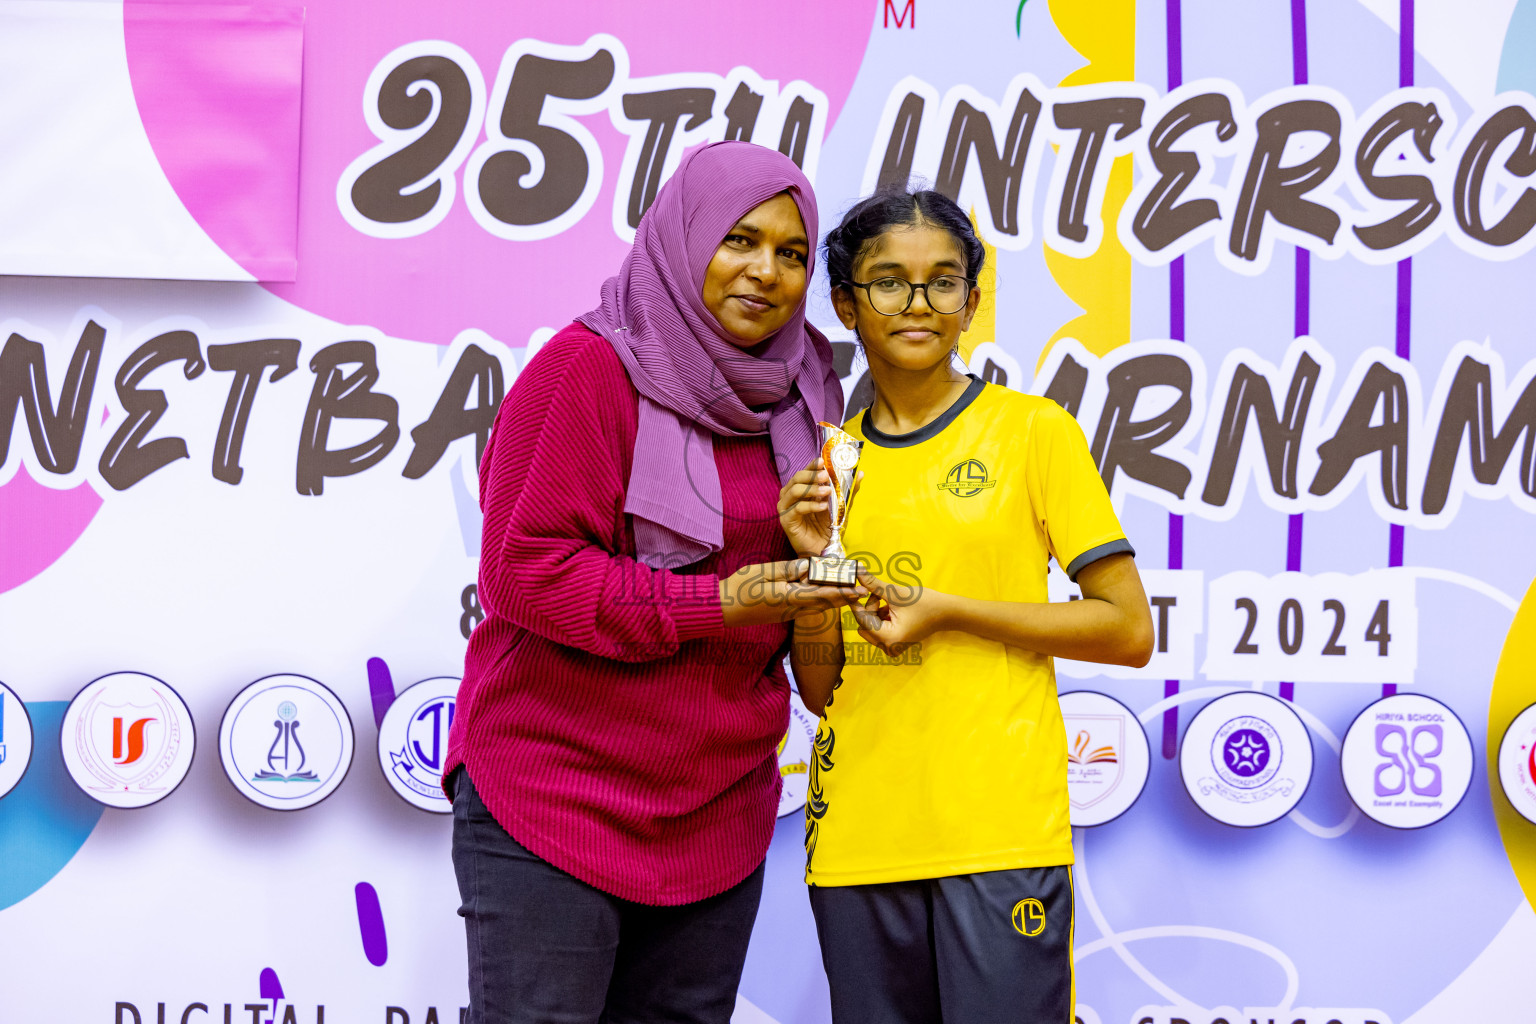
(795, 756)
(1108, 758)
(1517, 763)
(413, 742)
(1407, 761)
(127, 740)
(15, 739)
(967, 479)
(286, 742)
(1029, 917)
(1246, 759)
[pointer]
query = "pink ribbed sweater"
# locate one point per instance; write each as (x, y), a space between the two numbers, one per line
(608, 719)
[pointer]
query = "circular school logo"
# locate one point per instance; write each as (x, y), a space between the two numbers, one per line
(1247, 752)
(795, 756)
(1517, 763)
(286, 742)
(1407, 761)
(1246, 759)
(1108, 758)
(413, 742)
(15, 739)
(967, 479)
(127, 740)
(1029, 917)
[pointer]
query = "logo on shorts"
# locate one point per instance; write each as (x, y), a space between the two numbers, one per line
(967, 479)
(1029, 917)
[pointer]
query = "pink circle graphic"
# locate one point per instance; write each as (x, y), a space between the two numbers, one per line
(456, 275)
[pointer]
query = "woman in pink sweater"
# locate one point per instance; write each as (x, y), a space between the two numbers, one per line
(612, 762)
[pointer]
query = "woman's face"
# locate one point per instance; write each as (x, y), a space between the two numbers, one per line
(757, 278)
(918, 338)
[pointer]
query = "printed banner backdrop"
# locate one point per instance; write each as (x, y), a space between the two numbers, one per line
(1275, 258)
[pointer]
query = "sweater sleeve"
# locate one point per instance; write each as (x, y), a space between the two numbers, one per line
(553, 490)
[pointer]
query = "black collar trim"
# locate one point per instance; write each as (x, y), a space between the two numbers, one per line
(879, 437)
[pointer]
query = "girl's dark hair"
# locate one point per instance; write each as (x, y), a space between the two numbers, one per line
(895, 206)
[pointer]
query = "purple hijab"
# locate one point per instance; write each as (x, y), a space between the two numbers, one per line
(694, 381)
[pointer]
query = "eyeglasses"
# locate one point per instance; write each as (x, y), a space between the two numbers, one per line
(891, 296)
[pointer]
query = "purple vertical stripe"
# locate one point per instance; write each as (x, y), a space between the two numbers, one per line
(1176, 299)
(1175, 331)
(1175, 45)
(1303, 312)
(1292, 564)
(1405, 41)
(1293, 545)
(1171, 686)
(1299, 41)
(1171, 723)
(1302, 321)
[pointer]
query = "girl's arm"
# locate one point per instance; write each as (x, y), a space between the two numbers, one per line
(817, 657)
(1112, 624)
(817, 654)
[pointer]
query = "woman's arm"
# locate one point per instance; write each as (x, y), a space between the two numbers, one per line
(552, 492)
(1112, 624)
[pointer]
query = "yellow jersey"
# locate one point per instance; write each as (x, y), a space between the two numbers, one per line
(952, 758)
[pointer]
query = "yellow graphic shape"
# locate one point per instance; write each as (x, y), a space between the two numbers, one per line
(1104, 33)
(984, 323)
(1514, 689)
(1029, 917)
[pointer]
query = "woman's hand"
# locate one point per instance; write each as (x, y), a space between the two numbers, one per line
(804, 508)
(893, 618)
(778, 592)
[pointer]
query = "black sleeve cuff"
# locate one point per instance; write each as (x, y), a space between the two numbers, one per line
(1114, 547)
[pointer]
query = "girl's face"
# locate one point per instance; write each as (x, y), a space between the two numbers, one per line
(757, 277)
(917, 338)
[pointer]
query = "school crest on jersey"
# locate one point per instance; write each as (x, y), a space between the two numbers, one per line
(967, 479)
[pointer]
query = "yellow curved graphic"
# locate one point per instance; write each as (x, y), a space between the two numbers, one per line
(1104, 32)
(1514, 689)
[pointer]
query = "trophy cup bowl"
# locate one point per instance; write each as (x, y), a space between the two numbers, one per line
(840, 458)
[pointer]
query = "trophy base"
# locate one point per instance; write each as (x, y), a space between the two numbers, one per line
(841, 572)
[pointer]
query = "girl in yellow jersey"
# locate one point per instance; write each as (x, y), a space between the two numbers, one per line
(938, 846)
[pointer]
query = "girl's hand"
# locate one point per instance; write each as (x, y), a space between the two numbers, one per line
(804, 508)
(778, 592)
(893, 618)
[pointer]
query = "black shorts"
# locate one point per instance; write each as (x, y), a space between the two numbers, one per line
(985, 948)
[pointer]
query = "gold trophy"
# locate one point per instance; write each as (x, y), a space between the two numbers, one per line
(840, 457)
